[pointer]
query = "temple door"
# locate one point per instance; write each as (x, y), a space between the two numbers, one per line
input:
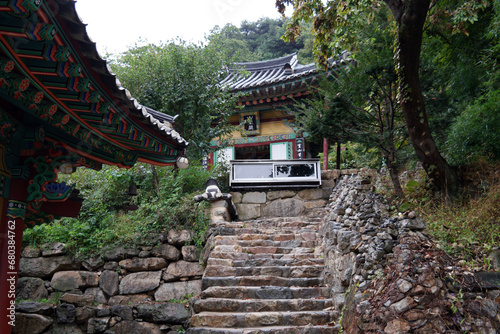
(281, 151)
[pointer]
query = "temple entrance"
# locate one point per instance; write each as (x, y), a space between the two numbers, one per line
(253, 152)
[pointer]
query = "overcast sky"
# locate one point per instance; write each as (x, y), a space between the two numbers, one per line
(116, 25)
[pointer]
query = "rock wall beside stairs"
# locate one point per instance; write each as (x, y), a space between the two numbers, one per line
(125, 290)
(388, 276)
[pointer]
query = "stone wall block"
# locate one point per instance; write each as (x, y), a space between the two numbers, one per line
(272, 195)
(65, 313)
(248, 211)
(93, 263)
(97, 294)
(44, 267)
(177, 290)
(311, 194)
(30, 252)
(131, 300)
(129, 327)
(179, 238)
(108, 282)
(143, 264)
(70, 280)
(35, 307)
(120, 253)
(236, 197)
(169, 313)
(31, 288)
(122, 311)
(191, 253)
(97, 325)
(140, 282)
(31, 323)
(78, 300)
(168, 252)
(289, 207)
(181, 269)
(254, 198)
(53, 248)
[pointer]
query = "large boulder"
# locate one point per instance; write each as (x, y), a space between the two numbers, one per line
(31, 288)
(140, 282)
(70, 280)
(44, 267)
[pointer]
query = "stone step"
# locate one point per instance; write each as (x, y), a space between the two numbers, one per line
(263, 305)
(260, 281)
(274, 237)
(270, 231)
(247, 256)
(264, 292)
(278, 271)
(263, 249)
(266, 262)
(258, 319)
(268, 243)
(268, 330)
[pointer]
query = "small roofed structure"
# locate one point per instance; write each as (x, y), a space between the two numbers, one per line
(60, 108)
(268, 89)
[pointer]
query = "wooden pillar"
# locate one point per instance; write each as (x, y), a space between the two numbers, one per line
(325, 154)
(11, 236)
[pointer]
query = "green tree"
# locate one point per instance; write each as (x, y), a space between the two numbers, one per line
(335, 24)
(182, 79)
(359, 102)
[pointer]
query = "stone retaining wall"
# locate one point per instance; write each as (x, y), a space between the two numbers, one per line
(287, 203)
(126, 290)
(387, 275)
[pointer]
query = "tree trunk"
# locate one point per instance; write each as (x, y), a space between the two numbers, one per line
(410, 16)
(338, 154)
(155, 180)
(390, 157)
(325, 153)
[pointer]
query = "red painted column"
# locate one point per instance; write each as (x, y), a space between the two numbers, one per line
(325, 154)
(11, 235)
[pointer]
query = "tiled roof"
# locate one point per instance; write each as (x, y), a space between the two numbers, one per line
(250, 75)
(50, 68)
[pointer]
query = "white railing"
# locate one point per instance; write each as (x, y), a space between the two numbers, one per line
(275, 173)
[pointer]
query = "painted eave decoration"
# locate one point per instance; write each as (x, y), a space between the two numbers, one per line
(51, 71)
(276, 81)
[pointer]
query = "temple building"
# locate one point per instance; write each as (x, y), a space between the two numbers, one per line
(268, 90)
(60, 108)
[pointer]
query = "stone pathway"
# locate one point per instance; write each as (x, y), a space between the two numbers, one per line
(265, 276)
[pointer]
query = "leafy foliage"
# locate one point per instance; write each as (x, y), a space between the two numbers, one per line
(104, 220)
(181, 78)
(260, 40)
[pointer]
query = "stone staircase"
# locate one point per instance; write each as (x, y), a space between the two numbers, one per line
(265, 276)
